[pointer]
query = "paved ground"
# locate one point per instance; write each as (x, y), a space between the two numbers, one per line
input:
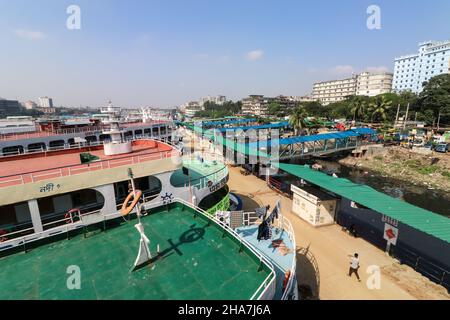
(330, 246)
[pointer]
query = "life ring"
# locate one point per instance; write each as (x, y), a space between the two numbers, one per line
(68, 216)
(287, 275)
(3, 238)
(127, 209)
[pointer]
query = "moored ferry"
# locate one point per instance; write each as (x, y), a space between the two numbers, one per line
(78, 208)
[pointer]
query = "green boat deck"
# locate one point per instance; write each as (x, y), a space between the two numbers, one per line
(196, 262)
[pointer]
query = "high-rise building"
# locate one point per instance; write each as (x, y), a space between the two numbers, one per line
(373, 84)
(45, 102)
(8, 107)
(413, 70)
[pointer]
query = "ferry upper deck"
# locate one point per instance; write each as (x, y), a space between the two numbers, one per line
(34, 167)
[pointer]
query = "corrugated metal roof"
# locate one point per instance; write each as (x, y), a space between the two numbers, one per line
(215, 123)
(418, 218)
(320, 137)
(264, 126)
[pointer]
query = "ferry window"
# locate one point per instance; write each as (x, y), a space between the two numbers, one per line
(138, 132)
(105, 137)
(46, 205)
(91, 139)
(147, 131)
(12, 150)
(56, 144)
(15, 217)
(37, 147)
(84, 197)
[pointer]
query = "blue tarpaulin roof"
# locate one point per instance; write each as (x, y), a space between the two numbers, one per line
(320, 137)
(217, 123)
(264, 126)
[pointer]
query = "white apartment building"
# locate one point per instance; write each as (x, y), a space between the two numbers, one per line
(336, 90)
(45, 102)
(374, 84)
(220, 100)
(411, 71)
(364, 84)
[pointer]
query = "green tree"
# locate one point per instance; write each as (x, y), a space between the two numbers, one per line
(298, 119)
(379, 107)
(436, 97)
(274, 109)
(358, 105)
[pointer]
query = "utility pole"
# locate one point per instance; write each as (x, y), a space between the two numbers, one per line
(406, 117)
(396, 117)
(439, 120)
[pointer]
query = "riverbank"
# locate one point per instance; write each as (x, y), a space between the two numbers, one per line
(431, 171)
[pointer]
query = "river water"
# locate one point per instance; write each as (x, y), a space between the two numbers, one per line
(437, 201)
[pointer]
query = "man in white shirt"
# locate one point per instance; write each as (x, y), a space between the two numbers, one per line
(354, 266)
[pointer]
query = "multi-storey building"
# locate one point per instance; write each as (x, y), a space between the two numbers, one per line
(45, 102)
(191, 108)
(364, 84)
(8, 107)
(220, 100)
(336, 90)
(373, 84)
(413, 70)
(29, 105)
(256, 105)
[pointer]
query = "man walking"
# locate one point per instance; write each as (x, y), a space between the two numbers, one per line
(354, 266)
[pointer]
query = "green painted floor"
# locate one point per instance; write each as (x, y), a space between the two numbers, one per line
(197, 171)
(198, 263)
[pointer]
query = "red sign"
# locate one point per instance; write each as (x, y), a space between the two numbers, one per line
(390, 233)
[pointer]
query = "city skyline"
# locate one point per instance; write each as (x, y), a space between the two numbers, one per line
(167, 53)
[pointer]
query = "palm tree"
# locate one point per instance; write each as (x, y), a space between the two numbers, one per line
(358, 107)
(298, 119)
(380, 107)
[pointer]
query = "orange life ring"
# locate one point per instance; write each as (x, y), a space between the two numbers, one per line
(68, 216)
(127, 209)
(287, 275)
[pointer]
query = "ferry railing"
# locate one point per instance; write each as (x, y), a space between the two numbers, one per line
(58, 172)
(285, 224)
(39, 134)
(66, 221)
(269, 282)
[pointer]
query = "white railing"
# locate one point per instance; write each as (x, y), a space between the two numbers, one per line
(19, 179)
(286, 225)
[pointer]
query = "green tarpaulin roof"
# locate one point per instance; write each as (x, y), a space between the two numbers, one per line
(418, 218)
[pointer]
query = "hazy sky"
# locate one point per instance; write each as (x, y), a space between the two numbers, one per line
(164, 53)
